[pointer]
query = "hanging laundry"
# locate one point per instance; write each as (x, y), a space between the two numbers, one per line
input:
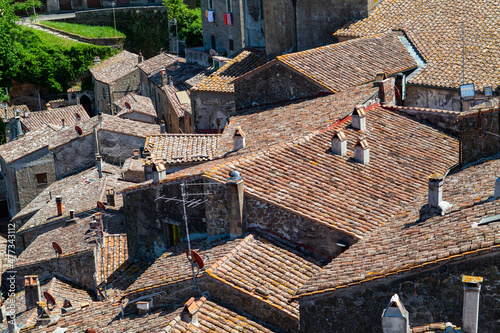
(229, 18)
(211, 16)
(206, 13)
(225, 19)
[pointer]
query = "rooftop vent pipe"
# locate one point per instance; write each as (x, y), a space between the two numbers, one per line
(362, 152)
(339, 143)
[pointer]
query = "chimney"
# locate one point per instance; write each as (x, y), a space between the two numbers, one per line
(97, 61)
(78, 118)
(11, 325)
(96, 222)
(110, 197)
(3, 313)
(436, 194)
(386, 86)
(190, 312)
(67, 307)
(62, 121)
(18, 131)
(100, 119)
(164, 77)
(159, 172)
(71, 219)
(140, 58)
(470, 314)
(26, 114)
(32, 291)
(497, 188)
(339, 143)
(358, 118)
(171, 81)
(395, 317)
(161, 50)
(143, 307)
(59, 205)
(163, 127)
(362, 152)
(235, 197)
(98, 162)
(239, 139)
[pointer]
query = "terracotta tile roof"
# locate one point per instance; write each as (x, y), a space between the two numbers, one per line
(180, 106)
(115, 67)
(31, 142)
(79, 193)
(272, 125)
(173, 266)
(259, 266)
(159, 62)
(11, 112)
(59, 290)
(341, 66)
(37, 119)
(221, 80)
(110, 124)
(435, 29)
(113, 253)
(184, 76)
(138, 103)
(304, 177)
(408, 243)
(181, 148)
(72, 239)
(436, 328)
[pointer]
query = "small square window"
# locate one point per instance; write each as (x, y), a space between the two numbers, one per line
(103, 93)
(228, 6)
(41, 178)
(210, 4)
(231, 45)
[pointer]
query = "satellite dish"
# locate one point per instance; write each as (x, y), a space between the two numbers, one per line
(49, 297)
(101, 205)
(57, 248)
(213, 53)
(127, 105)
(78, 130)
(78, 115)
(196, 258)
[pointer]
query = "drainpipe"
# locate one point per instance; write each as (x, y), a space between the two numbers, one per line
(295, 32)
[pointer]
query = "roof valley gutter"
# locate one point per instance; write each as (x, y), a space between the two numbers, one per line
(414, 53)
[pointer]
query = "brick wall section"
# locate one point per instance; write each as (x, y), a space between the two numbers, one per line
(208, 106)
(77, 268)
(249, 304)
(476, 142)
(275, 83)
(432, 296)
(222, 32)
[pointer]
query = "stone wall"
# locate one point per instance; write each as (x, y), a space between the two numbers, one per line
(75, 156)
(444, 120)
(77, 268)
(279, 31)
(129, 83)
(198, 56)
(222, 32)
(249, 304)
(479, 135)
(430, 296)
(139, 117)
(274, 83)
(254, 23)
(115, 148)
(432, 98)
(209, 106)
(169, 294)
(102, 97)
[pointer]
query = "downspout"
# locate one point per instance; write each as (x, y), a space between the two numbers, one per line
(295, 33)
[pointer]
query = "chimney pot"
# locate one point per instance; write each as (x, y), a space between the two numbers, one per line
(395, 318)
(98, 161)
(470, 314)
(436, 194)
(159, 172)
(239, 139)
(62, 121)
(59, 205)
(358, 118)
(362, 152)
(110, 197)
(339, 143)
(140, 58)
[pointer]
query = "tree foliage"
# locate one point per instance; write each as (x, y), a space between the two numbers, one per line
(188, 21)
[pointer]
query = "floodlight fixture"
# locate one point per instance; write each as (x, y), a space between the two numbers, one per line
(467, 92)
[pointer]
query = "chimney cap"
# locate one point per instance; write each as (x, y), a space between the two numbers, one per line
(380, 76)
(472, 279)
(239, 132)
(339, 135)
(158, 166)
(359, 111)
(191, 306)
(361, 144)
(234, 175)
(435, 177)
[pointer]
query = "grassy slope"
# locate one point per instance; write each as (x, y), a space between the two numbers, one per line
(49, 38)
(84, 30)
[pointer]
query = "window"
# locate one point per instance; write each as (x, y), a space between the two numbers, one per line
(212, 40)
(210, 4)
(41, 178)
(231, 45)
(228, 6)
(103, 93)
(174, 234)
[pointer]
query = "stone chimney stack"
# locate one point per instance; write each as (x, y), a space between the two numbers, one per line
(140, 58)
(18, 131)
(171, 80)
(436, 194)
(239, 139)
(395, 318)
(164, 77)
(11, 325)
(159, 172)
(32, 291)
(362, 152)
(339, 143)
(358, 118)
(26, 114)
(62, 121)
(59, 205)
(470, 314)
(235, 199)
(143, 307)
(163, 127)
